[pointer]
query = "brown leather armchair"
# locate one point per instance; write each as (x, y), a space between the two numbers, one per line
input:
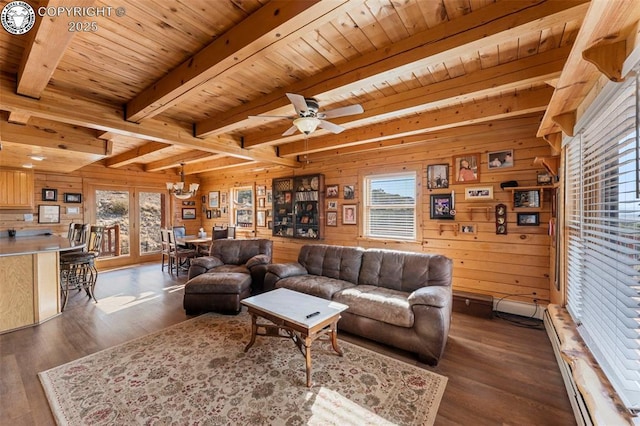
(220, 281)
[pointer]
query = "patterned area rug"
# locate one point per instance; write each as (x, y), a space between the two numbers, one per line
(197, 372)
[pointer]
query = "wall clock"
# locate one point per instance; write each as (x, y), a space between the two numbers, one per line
(501, 219)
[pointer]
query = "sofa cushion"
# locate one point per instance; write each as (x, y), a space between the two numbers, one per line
(342, 263)
(239, 269)
(315, 285)
(403, 271)
(378, 303)
(218, 283)
(238, 252)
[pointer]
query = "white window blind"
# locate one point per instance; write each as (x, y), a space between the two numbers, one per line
(603, 238)
(390, 206)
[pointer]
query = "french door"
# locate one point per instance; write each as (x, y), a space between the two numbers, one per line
(132, 218)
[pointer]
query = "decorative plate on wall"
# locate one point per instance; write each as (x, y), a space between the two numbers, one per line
(501, 219)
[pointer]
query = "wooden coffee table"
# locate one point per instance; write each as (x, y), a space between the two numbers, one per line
(301, 317)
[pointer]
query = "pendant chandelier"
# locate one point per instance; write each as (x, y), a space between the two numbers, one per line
(178, 189)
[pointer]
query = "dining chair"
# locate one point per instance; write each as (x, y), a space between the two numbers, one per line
(231, 232)
(166, 251)
(219, 233)
(178, 257)
(180, 231)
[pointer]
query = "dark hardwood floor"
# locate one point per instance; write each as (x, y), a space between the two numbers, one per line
(499, 373)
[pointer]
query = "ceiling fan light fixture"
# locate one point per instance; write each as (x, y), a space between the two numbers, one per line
(306, 125)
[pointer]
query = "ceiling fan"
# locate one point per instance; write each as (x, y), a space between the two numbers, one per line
(309, 117)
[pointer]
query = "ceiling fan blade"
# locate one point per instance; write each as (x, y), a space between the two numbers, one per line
(334, 128)
(341, 112)
(291, 131)
(272, 116)
(298, 102)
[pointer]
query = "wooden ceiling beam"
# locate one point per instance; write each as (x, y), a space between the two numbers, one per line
(491, 109)
(134, 155)
(176, 160)
(497, 129)
(69, 140)
(45, 48)
(605, 20)
(270, 26)
(216, 164)
(480, 84)
(493, 24)
(81, 112)
(18, 118)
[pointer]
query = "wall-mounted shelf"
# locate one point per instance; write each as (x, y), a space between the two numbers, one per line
(485, 209)
(551, 164)
(448, 226)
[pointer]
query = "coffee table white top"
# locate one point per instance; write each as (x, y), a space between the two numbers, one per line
(295, 306)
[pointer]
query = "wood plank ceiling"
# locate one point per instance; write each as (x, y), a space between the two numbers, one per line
(176, 80)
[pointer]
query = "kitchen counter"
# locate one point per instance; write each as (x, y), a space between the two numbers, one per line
(30, 279)
(35, 244)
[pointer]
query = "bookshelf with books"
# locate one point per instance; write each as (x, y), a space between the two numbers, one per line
(297, 207)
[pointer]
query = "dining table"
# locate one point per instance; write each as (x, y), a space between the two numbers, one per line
(194, 241)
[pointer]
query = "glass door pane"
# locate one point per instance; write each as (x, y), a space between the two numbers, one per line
(150, 214)
(112, 211)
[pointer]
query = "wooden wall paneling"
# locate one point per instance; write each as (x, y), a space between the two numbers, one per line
(520, 259)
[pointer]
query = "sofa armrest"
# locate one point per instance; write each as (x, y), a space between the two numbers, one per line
(200, 265)
(284, 270)
(277, 271)
(258, 259)
(436, 295)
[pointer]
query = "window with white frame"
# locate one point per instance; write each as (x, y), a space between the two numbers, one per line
(603, 235)
(390, 206)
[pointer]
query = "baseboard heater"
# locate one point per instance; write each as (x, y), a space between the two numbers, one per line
(592, 397)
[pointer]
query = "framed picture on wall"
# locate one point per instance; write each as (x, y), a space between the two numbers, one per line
(49, 194)
(466, 168)
(48, 214)
(478, 193)
(349, 192)
(332, 218)
(469, 228)
(188, 213)
(437, 176)
(526, 198)
(214, 199)
(500, 159)
(349, 214)
(332, 191)
(72, 197)
(528, 219)
(441, 206)
(261, 218)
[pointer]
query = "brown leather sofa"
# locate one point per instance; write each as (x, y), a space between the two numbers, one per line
(234, 270)
(402, 299)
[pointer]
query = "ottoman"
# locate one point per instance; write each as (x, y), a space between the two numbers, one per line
(216, 291)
